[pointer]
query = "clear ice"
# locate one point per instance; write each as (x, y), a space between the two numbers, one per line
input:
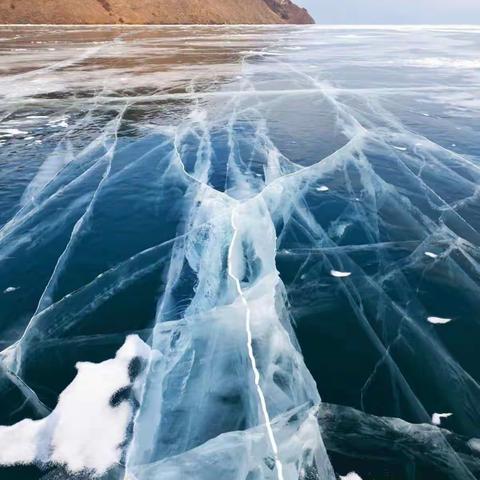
(259, 217)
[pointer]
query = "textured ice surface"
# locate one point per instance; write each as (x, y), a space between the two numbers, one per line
(280, 214)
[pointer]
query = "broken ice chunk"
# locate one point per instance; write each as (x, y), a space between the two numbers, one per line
(351, 476)
(322, 188)
(437, 417)
(439, 320)
(431, 255)
(337, 274)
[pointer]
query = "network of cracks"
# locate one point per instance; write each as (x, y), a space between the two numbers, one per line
(239, 253)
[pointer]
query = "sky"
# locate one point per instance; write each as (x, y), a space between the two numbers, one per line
(393, 11)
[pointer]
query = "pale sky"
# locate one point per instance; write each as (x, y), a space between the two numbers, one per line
(394, 11)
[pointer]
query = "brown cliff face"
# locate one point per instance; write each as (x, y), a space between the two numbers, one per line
(151, 12)
(289, 12)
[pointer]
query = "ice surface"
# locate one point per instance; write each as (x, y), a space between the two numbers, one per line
(278, 213)
(349, 432)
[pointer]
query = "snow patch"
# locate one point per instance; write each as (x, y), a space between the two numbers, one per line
(437, 417)
(337, 274)
(10, 289)
(11, 132)
(439, 320)
(351, 476)
(89, 424)
(445, 62)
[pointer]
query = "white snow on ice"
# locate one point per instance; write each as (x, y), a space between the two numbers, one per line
(10, 289)
(83, 432)
(351, 476)
(338, 274)
(439, 320)
(437, 417)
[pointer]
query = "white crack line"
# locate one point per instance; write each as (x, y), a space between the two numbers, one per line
(253, 362)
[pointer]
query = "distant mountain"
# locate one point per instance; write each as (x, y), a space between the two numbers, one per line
(152, 12)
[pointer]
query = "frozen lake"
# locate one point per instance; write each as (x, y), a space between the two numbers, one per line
(261, 238)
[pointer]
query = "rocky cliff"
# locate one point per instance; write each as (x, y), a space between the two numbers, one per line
(289, 12)
(152, 12)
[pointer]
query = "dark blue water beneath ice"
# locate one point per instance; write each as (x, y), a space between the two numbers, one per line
(130, 156)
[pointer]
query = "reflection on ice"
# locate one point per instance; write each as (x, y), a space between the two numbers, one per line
(274, 212)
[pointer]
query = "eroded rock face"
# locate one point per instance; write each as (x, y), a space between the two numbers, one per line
(151, 12)
(289, 12)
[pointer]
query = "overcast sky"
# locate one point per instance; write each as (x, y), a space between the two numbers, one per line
(394, 11)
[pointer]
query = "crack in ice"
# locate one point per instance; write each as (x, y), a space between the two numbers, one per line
(251, 356)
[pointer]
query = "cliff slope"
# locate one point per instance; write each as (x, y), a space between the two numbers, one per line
(289, 12)
(151, 12)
